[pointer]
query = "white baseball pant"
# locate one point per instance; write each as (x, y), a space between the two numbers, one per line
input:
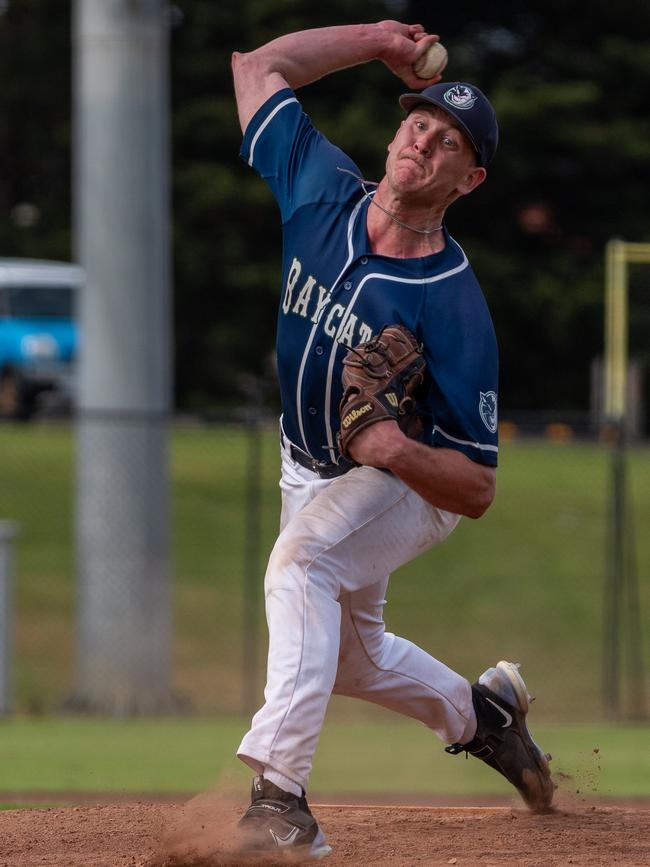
(325, 586)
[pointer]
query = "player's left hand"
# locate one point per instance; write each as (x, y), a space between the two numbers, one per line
(381, 380)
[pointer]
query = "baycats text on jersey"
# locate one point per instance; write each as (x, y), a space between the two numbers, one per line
(303, 296)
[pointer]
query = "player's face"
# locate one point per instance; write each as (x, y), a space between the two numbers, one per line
(430, 158)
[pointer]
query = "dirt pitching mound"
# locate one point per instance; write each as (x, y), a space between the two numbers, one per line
(202, 833)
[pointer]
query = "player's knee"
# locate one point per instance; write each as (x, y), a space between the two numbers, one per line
(299, 559)
(358, 666)
(361, 649)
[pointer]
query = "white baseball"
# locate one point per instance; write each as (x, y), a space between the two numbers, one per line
(432, 62)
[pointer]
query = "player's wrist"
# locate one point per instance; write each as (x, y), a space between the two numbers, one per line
(384, 40)
(398, 450)
(383, 445)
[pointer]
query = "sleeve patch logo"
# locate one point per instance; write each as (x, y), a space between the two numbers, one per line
(487, 407)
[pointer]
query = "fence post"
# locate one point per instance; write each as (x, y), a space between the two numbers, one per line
(8, 532)
(252, 542)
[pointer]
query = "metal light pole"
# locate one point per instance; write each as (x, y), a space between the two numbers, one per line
(121, 187)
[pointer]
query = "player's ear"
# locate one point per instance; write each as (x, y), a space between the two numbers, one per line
(472, 180)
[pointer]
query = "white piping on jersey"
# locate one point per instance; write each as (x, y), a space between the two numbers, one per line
(303, 362)
(265, 123)
(346, 315)
(484, 447)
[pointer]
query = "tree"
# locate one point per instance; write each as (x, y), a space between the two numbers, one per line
(570, 88)
(35, 128)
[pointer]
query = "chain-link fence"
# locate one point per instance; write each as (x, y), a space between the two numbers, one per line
(526, 582)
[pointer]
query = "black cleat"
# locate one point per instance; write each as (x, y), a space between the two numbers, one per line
(502, 740)
(277, 820)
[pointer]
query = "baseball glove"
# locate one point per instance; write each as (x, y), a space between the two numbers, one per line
(380, 380)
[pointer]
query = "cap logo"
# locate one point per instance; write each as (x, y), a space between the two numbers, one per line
(460, 96)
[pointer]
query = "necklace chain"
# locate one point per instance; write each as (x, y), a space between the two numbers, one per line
(403, 224)
(397, 220)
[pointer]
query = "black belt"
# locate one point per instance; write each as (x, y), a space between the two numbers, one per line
(322, 469)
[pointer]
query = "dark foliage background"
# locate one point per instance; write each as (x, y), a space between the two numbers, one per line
(570, 84)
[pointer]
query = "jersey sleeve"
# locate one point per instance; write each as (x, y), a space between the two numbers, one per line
(461, 351)
(300, 165)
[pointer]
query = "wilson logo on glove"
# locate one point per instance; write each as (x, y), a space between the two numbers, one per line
(355, 414)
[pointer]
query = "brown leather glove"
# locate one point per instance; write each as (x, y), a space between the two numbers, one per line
(380, 379)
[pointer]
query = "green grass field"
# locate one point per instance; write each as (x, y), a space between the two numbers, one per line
(50, 757)
(525, 582)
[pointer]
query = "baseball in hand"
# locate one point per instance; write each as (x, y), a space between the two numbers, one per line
(432, 62)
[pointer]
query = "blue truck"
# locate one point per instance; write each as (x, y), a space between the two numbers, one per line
(39, 335)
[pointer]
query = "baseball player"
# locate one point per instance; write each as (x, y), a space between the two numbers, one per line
(358, 256)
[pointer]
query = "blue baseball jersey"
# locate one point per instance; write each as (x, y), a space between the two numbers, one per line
(336, 293)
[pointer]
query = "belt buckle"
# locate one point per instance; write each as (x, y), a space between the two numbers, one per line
(320, 466)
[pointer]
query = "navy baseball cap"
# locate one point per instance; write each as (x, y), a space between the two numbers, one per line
(467, 105)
